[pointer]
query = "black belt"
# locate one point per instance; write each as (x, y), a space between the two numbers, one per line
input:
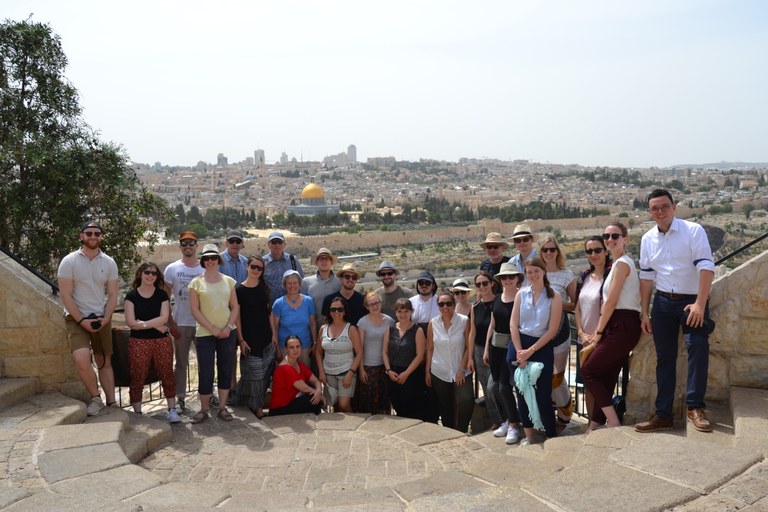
(675, 296)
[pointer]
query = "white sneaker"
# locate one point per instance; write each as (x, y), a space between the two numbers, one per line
(502, 430)
(173, 416)
(512, 436)
(94, 406)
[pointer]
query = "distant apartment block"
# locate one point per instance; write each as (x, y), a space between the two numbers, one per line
(382, 161)
(221, 160)
(259, 159)
(352, 153)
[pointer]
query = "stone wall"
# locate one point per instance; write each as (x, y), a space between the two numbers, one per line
(738, 347)
(33, 340)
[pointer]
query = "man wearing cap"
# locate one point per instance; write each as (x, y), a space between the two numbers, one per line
(523, 239)
(278, 261)
(356, 309)
(425, 302)
(234, 264)
(390, 291)
(494, 246)
(88, 287)
(177, 276)
(323, 283)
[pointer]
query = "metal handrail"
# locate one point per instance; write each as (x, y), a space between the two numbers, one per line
(741, 249)
(30, 268)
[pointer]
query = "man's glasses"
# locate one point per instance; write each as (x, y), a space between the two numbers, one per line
(611, 236)
(260, 268)
(657, 209)
(522, 239)
(150, 272)
(596, 250)
(209, 258)
(548, 249)
(188, 243)
(423, 283)
(234, 241)
(96, 234)
(350, 277)
(386, 274)
(444, 304)
(460, 292)
(276, 241)
(480, 284)
(492, 246)
(336, 310)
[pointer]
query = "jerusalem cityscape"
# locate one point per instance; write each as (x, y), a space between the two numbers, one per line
(405, 256)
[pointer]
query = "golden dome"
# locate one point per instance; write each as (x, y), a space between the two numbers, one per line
(312, 191)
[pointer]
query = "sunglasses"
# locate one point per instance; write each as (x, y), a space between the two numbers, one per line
(188, 243)
(596, 250)
(548, 249)
(97, 234)
(276, 241)
(386, 274)
(234, 241)
(508, 277)
(150, 272)
(480, 284)
(492, 246)
(444, 304)
(260, 268)
(423, 283)
(522, 239)
(336, 310)
(611, 236)
(209, 258)
(350, 277)
(460, 292)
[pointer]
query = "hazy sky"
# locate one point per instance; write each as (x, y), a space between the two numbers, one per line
(625, 83)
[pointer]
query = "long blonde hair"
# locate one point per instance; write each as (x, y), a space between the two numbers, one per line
(560, 259)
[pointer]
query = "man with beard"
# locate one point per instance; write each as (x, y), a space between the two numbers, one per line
(425, 303)
(323, 283)
(88, 287)
(390, 291)
(355, 303)
(494, 246)
(177, 276)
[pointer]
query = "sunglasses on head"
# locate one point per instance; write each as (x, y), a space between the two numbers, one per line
(260, 268)
(545, 250)
(480, 284)
(188, 243)
(209, 258)
(386, 274)
(522, 239)
(150, 272)
(234, 241)
(336, 310)
(92, 233)
(612, 236)
(444, 304)
(596, 250)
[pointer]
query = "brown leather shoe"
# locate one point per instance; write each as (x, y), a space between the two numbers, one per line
(655, 424)
(699, 420)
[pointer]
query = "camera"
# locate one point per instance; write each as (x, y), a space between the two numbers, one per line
(94, 325)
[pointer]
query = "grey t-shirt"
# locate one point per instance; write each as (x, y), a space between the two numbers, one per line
(374, 339)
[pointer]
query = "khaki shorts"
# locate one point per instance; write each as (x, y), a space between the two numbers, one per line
(335, 388)
(100, 342)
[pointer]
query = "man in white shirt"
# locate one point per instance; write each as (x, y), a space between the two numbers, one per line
(676, 256)
(425, 301)
(177, 276)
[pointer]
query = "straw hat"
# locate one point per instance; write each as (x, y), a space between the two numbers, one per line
(494, 239)
(509, 269)
(348, 268)
(324, 251)
(522, 230)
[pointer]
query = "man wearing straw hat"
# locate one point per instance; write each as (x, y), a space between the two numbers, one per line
(323, 283)
(494, 246)
(355, 302)
(523, 239)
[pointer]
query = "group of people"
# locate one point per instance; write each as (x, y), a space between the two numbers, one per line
(319, 342)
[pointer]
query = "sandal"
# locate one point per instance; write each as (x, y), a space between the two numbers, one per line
(200, 417)
(224, 414)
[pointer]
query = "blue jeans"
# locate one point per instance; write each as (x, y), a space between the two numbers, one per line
(666, 325)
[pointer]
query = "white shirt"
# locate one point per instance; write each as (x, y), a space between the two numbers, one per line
(424, 310)
(629, 297)
(90, 278)
(448, 347)
(178, 276)
(674, 259)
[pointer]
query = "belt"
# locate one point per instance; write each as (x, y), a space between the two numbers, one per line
(675, 296)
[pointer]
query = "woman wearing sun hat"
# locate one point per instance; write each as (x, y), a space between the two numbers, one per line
(461, 291)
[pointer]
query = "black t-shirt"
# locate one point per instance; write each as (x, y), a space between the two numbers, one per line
(482, 319)
(147, 309)
(355, 306)
(493, 268)
(502, 313)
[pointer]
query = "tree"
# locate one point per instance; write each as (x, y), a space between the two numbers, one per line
(747, 209)
(54, 171)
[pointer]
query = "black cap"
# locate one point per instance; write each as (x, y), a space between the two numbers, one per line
(91, 224)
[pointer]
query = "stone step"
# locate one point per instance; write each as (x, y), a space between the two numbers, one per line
(750, 417)
(140, 435)
(43, 411)
(14, 391)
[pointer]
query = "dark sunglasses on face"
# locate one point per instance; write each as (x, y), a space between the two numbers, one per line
(260, 268)
(609, 236)
(480, 284)
(97, 234)
(350, 277)
(507, 277)
(444, 304)
(209, 258)
(150, 272)
(276, 241)
(548, 249)
(522, 239)
(596, 250)
(460, 292)
(386, 274)
(188, 243)
(336, 310)
(492, 246)
(424, 283)
(234, 241)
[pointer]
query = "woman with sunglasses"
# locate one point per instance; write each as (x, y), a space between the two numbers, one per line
(295, 389)
(147, 308)
(403, 353)
(618, 329)
(214, 305)
(589, 288)
(563, 281)
(371, 394)
(448, 362)
(479, 323)
(461, 291)
(254, 336)
(339, 355)
(536, 318)
(495, 354)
